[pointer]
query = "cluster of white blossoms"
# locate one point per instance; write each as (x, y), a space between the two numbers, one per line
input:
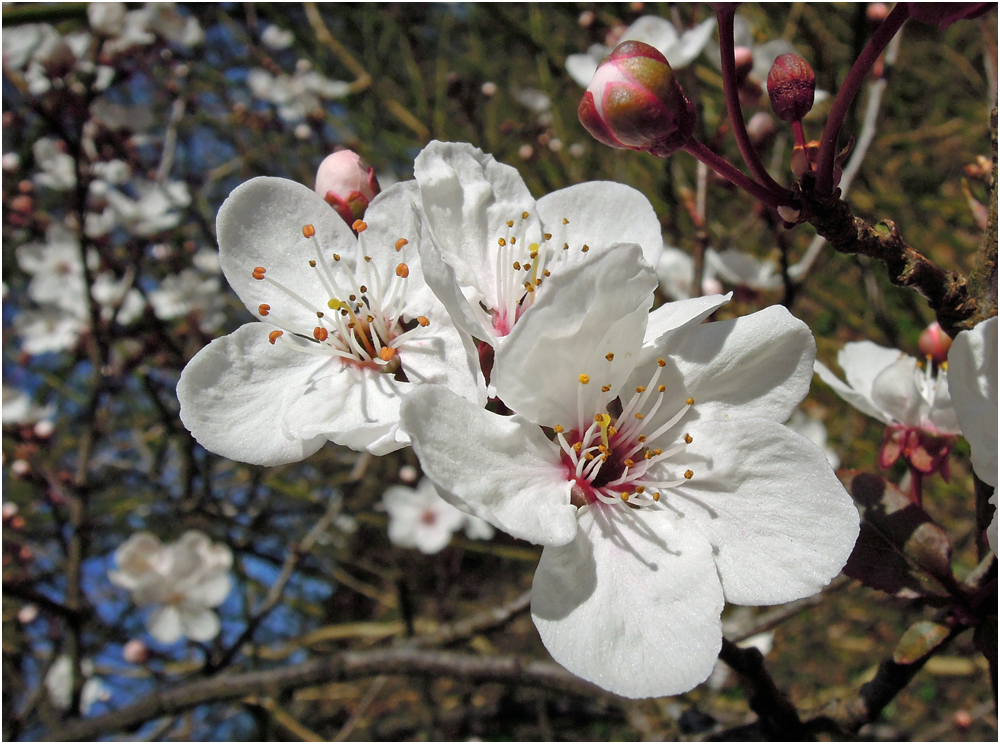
(183, 581)
(420, 518)
(514, 345)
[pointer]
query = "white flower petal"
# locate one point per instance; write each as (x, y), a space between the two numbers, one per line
(673, 315)
(587, 311)
(235, 390)
(581, 67)
(210, 591)
(759, 365)
(624, 215)
(653, 30)
(632, 604)
(467, 196)
(972, 377)
(860, 401)
(164, 624)
(690, 45)
(782, 524)
(863, 361)
(260, 224)
(502, 468)
(198, 623)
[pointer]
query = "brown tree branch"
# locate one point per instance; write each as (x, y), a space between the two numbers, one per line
(343, 667)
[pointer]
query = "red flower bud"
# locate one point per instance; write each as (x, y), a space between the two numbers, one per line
(634, 102)
(934, 343)
(791, 84)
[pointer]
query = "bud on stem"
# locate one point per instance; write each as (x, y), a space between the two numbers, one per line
(634, 102)
(791, 86)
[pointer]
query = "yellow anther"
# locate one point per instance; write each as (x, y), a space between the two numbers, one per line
(359, 226)
(690, 401)
(625, 496)
(524, 215)
(400, 243)
(423, 320)
(639, 416)
(320, 333)
(558, 429)
(630, 463)
(648, 455)
(513, 241)
(657, 452)
(533, 251)
(656, 496)
(510, 223)
(402, 271)
(641, 389)
(577, 447)
(336, 256)
(689, 474)
(274, 336)
(546, 272)
(548, 236)
(588, 456)
(565, 221)
(640, 439)
(688, 439)
(610, 356)
(387, 353)
(565, 246)
(319, 313)
(661, 362)
(312, 264)
(263, 309)
(501, 242)
(584, 379)
(368, 259)
(605, 388)
(308, 231)
(517, 266)
(640, 489)
(258, 273)
(612, 431)
(585, 248)
(363, 289)
(662, 388)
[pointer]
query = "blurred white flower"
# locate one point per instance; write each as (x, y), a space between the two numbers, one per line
(19, 408)
(679, 49)
(183, 580)
(158, 207)
(420, 518)
(59, 685)
(186, 293)
(277, 38)
(296, 95)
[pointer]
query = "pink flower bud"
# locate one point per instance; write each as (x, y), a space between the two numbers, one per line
(635, 103)
(744, 63)
(135, 652)
(945, 14)
(347, 184)
(934, 343)
(791, 85)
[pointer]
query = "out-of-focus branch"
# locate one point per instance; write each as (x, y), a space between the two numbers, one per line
(778, 717)
(338, 668)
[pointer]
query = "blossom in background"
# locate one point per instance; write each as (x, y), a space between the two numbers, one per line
(679, 49)
(346, 328)
(296, 95)
(190, 293)
(910, 398)
(20, 408)
(675, 273)
(812, 428)
(972, 369)
(158, 207)
(183, 581)
(493, 246)
(59, 685)
(276, 38)
(420, 518)
(42, 54)
(668, 484)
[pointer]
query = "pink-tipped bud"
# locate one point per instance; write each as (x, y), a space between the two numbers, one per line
(791, 86)
(135, 652)
(634, 102)
(744, 63)
(945, 14)
(934, 343)
(876, 13)
(347, 184)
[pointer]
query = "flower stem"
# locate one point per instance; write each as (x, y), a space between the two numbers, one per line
(845, 96)
(734, 175)
(731, 88)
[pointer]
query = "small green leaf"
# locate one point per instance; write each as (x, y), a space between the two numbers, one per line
(919, 640)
